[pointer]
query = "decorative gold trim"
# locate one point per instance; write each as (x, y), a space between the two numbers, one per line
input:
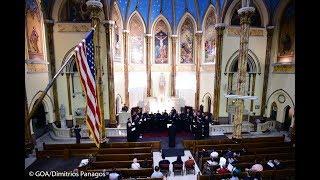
(181, 68)
(161, 68)
(235, 31)
(37, 68)
(284, 68)
(207, 68)
(73, 27)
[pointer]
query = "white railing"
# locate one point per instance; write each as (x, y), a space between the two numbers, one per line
(269, 125)
(61, 132)
(228, 128)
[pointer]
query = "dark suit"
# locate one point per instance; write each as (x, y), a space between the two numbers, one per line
(172, 136)
(77, 133)
(164, 161)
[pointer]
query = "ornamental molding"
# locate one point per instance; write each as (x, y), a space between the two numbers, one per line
(73, 27)
(235, 31)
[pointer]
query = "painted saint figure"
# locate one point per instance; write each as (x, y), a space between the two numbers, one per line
(34, 37)
(162, 87)
(161, 47)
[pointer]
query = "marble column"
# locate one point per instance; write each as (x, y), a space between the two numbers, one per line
(253, 89)
(50, 47)
(217, 73)
(245, 14)
(69, 93)
(266, 69)
(109, 25)
(95, 7)
(198, 62)
(125, 65)
(173, 66)
(148, 64)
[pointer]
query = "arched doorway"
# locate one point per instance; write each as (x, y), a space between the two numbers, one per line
(208, 102)
(39, 122)
(287, 119)
(273, 111)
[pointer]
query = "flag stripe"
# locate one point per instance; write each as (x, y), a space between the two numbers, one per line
(86, 67)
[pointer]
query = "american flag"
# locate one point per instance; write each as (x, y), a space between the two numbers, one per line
(85, 61)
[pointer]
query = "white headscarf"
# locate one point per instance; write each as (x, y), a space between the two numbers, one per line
(222, 161)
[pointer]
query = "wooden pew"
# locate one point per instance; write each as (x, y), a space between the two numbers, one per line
(270, 150)
(125, 150)
(222, 147)
(155, 145)
(188, 144)
(263, 139)
(116, 164)
(265, 144)
(123, 157)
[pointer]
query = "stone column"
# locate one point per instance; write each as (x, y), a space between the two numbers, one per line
(95, 8)
(266, 69)
(253, 89)
(148, 64)
(173, 66)
(125, 65)
(52, 66)
(217, 73)
(198, 62)
(109, 28)
(245, 13)
(69, 93)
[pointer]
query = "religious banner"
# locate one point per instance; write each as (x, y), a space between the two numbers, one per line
(136, 40)
(186, 42)
(210, 41)
(161, 43)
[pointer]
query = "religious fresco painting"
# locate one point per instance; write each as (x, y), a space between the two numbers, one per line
(117, 38)
(210, 38)
(161, 43)
(287, 32)
(186, 42)
(136, 40)
(34, 30)
(75, 11)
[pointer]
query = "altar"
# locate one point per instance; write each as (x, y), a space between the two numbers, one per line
(154, 104)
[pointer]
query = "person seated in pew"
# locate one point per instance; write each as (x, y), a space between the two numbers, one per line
(222, 162)
(135, 164)
(223, 170)
(145, 163)
(178, 161)
(189, 163)
(157, 173)
(252, 176)
(203, 153)
(214, 154)
(257, 167)
(278, 164)
(229, 153)
(235, 173)
(113, 175)
(164, 160)
(270, 165)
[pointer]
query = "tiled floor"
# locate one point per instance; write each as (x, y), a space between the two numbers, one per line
(157, 157)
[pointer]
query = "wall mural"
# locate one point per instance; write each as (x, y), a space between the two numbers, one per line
(287, 32)
(210, 38)
(186, 42)
(117, 38)
(136, 40)
(161, 43)
(34, 30)
(75, 11)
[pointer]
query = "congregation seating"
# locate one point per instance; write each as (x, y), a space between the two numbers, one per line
(117, 164)
(257, 149)
(143, 173)
(83, 150)
(123, 157)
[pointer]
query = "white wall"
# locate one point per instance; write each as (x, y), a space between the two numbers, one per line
(257, 44)
(206, 86)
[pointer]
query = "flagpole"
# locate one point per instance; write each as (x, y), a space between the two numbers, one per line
(43, 94)
(95, 6)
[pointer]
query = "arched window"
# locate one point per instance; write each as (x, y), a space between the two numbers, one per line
(210, 37)
(117, 36)
(74, 11)
(255, 18)
(287, 33)
(186, 42)
(136, 40)
(161, 43)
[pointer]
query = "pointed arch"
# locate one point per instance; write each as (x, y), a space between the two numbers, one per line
(134, 14)
(261, 8)
(279, 11)
(117, 33)
(182, 20)
(47, 103)
(253, 62)
(209, 9)
(209, 35)
(137, 30)
(161, 28)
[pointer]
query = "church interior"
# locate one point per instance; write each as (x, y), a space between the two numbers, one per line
(185, 89)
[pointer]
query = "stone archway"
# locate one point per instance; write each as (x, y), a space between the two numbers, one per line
(39, 121)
